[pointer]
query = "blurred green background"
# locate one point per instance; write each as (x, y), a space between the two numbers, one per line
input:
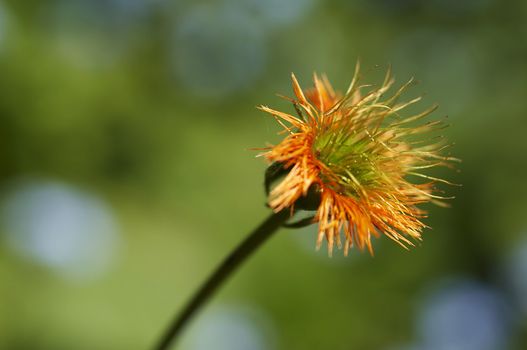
(126, 174)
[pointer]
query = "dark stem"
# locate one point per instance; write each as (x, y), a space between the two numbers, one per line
(227, 267)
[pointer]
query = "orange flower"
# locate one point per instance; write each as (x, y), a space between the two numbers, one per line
(356, 152)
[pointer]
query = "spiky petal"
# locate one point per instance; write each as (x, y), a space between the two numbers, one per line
(358, 152)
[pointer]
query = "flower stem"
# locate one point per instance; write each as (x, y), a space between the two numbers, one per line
(220, 275)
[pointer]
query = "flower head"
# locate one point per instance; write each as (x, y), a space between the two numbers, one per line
(359, 154)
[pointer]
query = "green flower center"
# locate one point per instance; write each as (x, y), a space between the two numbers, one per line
(352, 166)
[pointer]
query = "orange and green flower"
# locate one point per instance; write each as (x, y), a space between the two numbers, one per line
(360, 155)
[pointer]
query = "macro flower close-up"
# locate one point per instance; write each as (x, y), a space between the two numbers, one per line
(357, 152)
(249, 175)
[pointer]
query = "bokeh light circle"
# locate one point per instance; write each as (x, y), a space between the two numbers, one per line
(67, 230)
